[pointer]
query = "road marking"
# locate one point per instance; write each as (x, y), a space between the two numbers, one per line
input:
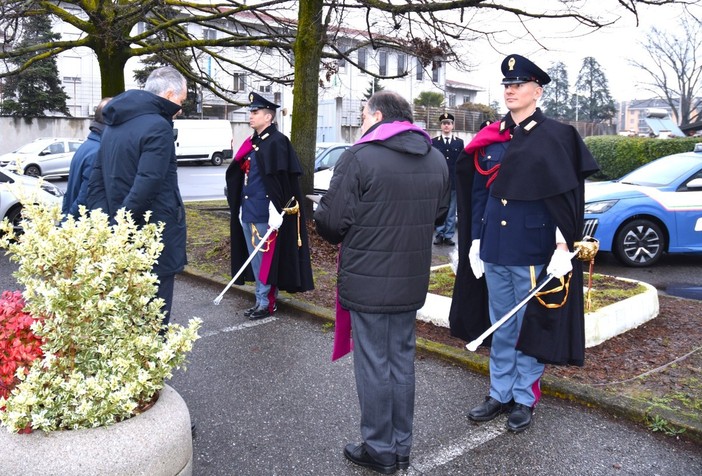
(476, 437)
(239, 327)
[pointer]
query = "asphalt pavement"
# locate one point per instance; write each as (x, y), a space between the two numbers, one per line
(267, 400)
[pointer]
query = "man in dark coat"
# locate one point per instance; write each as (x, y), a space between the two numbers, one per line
(450, 146)
(136, 167)
(263, 181)
(386, 195)
(526, 207)
(82, 165)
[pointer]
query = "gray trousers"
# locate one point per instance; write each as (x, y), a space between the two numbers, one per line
(383, 359)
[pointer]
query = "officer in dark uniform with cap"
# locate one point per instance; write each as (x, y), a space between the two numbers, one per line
(263, 181)
(450, 146)
(526, 203)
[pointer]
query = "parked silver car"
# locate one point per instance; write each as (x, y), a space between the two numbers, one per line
(45, 156)
(16, 188)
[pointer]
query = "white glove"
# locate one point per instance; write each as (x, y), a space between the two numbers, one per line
(560, 263)
(476, 264)
(275, 218)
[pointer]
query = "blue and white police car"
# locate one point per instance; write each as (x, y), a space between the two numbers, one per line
(652, 210)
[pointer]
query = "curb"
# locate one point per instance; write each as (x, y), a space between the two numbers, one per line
(621, 406)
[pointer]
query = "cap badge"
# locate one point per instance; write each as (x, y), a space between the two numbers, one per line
(511, 63)
(251, 97)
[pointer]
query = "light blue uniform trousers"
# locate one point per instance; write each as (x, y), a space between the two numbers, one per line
(513, 374)
(262, 290)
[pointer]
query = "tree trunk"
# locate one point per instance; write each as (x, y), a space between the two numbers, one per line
(308, 54)
(112, 67)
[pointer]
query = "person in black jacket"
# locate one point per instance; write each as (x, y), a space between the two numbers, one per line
(387, 193)
(450, 146)
(262, 181)
(136, 168)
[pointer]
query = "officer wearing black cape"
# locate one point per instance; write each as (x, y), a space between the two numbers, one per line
(520, 186)
(263, 182)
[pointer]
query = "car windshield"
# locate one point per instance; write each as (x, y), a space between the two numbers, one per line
(32, 147)
(320, 149)
(662, 171)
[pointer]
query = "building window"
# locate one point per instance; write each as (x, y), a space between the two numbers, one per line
(467, 99)
(401, 64)
(264, 88)
(239, 81)
(420, 70)
(383, 64)
(362, 58)
(435, 72)
(341, 62)
(452, 100)
(209, 34)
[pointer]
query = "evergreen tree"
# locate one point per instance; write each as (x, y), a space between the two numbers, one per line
(36, 90)
(555, 98)
(592, 86)
(373, 87)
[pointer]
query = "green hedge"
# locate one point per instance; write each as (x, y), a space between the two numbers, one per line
(618, 155)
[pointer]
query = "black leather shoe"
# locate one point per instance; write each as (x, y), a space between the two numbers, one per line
(489, 409)
(250, 310)
(449, 242)
(520, 418)
(357, 454)
(259, 313)
(439, 240)
(402, 462)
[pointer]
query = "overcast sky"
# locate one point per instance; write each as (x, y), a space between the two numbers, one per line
(612, 47)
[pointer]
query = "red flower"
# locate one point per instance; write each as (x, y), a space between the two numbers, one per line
(245, 165)
(19, 346)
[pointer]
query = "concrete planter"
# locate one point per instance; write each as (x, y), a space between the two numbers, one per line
(607, 322)
(157, 442)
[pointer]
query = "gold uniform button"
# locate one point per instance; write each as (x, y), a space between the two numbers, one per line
(503, 223)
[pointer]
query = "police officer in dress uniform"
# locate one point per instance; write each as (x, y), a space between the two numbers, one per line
(526, 206)
(450, 146)
(263, 181)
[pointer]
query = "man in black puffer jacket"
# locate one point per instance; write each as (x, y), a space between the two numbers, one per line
(388, 192)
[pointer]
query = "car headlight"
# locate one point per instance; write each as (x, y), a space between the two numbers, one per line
(52, 189)
(599, 207)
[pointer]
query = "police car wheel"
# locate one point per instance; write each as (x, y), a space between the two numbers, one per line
(639, 243)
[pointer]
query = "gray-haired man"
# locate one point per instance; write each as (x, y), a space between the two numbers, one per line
(136, 167)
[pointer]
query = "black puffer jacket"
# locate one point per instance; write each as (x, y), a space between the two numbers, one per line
(382, 204)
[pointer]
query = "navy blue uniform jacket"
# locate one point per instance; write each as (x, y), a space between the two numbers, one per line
(136, 169)
(548, 161)
(450, 152)
(277, 161)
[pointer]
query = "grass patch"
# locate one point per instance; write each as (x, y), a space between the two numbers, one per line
(606, 290)
(207, 243)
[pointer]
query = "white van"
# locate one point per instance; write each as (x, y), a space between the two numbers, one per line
(203, 139)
